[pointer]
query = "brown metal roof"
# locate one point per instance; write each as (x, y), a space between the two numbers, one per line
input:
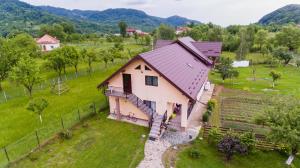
(211, 49)
(178, 65)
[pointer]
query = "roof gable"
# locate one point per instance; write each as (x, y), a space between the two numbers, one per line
(47, 39)
(187, 43)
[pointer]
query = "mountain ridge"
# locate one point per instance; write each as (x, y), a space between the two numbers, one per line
(286, 14)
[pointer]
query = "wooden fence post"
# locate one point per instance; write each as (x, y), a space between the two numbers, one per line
(5, 97)
(78, 112)
(94, 106)
(62, 122)
(37, 138)
(6, 154)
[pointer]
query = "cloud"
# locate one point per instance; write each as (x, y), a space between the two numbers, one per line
(136, 2)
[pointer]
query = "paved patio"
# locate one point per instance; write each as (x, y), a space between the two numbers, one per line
(154, 150)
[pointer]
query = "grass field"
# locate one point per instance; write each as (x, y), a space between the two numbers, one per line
(16, 121)
(211, 158)
(98, 142)
(288, 84)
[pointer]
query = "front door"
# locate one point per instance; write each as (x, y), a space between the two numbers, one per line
(127, 83)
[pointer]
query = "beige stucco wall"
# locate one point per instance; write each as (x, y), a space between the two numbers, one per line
(164, 94)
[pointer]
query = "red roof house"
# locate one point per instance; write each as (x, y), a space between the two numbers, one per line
(48, 43)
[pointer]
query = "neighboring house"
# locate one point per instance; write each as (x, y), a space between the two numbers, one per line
(180, 30)
(132, 31)
(48, 43)
(155, 85)
(211, 50)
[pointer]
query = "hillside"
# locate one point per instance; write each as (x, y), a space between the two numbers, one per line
(17, 15)
(286, 14)
(134, 18)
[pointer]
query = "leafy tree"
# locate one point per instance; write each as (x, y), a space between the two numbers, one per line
(147, 40)
(165, 32)
(136, 37)
(26, 73)
(55, 30)
(282, 53)
(68, 27)
(244, 45)
(56, 61)
(298, 63)
(283, 120)
(71, 56)
(289, 37)
(225, 69)
(38, 105)
(275, 76)
(89, 56)
(231, 145)
(123, 27)
(24, 43)
(215, 33)
(261, 38)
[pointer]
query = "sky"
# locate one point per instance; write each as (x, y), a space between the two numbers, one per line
(221, 12)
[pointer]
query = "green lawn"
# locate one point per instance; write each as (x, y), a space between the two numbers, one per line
(99, 142)
(17, 122)
(288, 84)
(211, 158)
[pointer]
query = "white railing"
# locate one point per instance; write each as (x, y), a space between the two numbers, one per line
(111, 89)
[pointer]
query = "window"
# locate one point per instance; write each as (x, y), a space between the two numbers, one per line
(138, 67)
(147, 68)
(151, 81)
(52, 47)
(150, 104)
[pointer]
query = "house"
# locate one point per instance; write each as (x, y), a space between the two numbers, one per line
(159, 88)
(132, 31)
(212, 50)
(180, 30)
(48, 43)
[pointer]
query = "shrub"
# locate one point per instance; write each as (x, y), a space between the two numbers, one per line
(248, 139)
(205, 117)
(194, 153)
(211, 105)
(66, 134)
(231, 145)
(298, 63)
(284, 150)
(214, 136)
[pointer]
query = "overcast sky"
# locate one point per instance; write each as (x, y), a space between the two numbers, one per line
(222, 12)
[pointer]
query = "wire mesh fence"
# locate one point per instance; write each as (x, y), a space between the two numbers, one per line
(19, 91)
(36, 139)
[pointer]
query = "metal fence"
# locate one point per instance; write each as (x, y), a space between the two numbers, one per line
(36, 139)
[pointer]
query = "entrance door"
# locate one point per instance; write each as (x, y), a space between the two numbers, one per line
(127, 83)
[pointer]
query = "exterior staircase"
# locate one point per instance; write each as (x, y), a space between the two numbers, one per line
(156, 127)
(175, 123)
(156, 121)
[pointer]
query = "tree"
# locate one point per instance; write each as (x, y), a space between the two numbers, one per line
(225, 69)
(71, 57)
(283, 119)
(136, 37)
(165, 32)
(56, 30)
(289, 37)
(89, 56)
(243, 48)
(56, 61)
(275, 76)
(38, 106)
(123, 27)
(147, 40)
(231, 145)
(24, 43)
(261, 38)
(283, 54)
(26, 73)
